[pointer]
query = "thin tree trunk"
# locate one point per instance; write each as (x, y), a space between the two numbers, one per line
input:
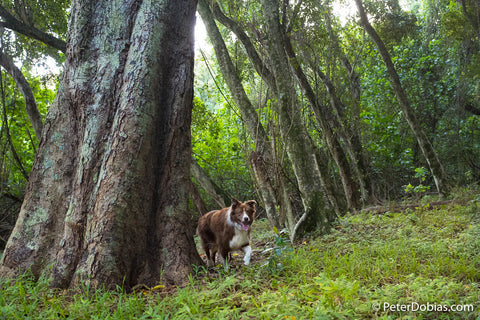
(328, 184)
(249, 115)
(351, 133)
(207, 184)
(350, 187)
(267, 75)
(106, 202)
(262, 69)
(361, 158)
(266, 167)
(268, 194)
(351, 140)
(299, 148)
(426, 146)
(6, 129)
(22, 83)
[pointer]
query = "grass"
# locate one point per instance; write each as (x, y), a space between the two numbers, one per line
(423, 259)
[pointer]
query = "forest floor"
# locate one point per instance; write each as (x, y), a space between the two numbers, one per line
(420, 263)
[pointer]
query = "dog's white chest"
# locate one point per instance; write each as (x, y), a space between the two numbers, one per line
(239, 240)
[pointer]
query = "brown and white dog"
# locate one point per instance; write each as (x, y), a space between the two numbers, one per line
(226, 230)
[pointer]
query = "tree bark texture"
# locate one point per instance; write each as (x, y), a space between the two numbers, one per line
(107, 198)
(436, 167)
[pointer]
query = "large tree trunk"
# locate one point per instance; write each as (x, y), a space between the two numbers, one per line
(436, 167)
(107, 197)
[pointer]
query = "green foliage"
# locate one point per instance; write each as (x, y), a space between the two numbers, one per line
(31, 55)
(47, 16)
(220, 143)
(426, 256)
(276, 251)
(420, 189)
(428, 71)
(454, 23)
(23, 136)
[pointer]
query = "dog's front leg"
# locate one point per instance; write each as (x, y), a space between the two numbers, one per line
(211, 260)
(248, 254)
(224, 259)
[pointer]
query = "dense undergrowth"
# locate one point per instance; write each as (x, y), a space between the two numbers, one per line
(371, 266)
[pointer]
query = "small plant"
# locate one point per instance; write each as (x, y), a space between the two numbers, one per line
(420, 189)
(199, 270)
(277, 250)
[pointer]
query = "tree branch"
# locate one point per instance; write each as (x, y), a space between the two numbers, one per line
(10, 22)
(7, 132)
(257, 62)
(26, 90)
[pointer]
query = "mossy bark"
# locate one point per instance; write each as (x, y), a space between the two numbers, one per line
(107, 197)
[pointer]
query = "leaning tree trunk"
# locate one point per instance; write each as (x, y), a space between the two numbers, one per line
(436, 167)
(207, 184)
(263, 152)
(350, 129)
(107, 198)
(299, 147)
(30, 104)
(321, 113)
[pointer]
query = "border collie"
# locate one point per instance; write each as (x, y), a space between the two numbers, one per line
(226, 230)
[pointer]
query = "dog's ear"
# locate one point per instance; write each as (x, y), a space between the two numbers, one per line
(251, 203)
(235, 202)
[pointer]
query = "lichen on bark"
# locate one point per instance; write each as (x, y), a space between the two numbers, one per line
(115, 146)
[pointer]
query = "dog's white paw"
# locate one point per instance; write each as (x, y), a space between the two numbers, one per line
(248, 255)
